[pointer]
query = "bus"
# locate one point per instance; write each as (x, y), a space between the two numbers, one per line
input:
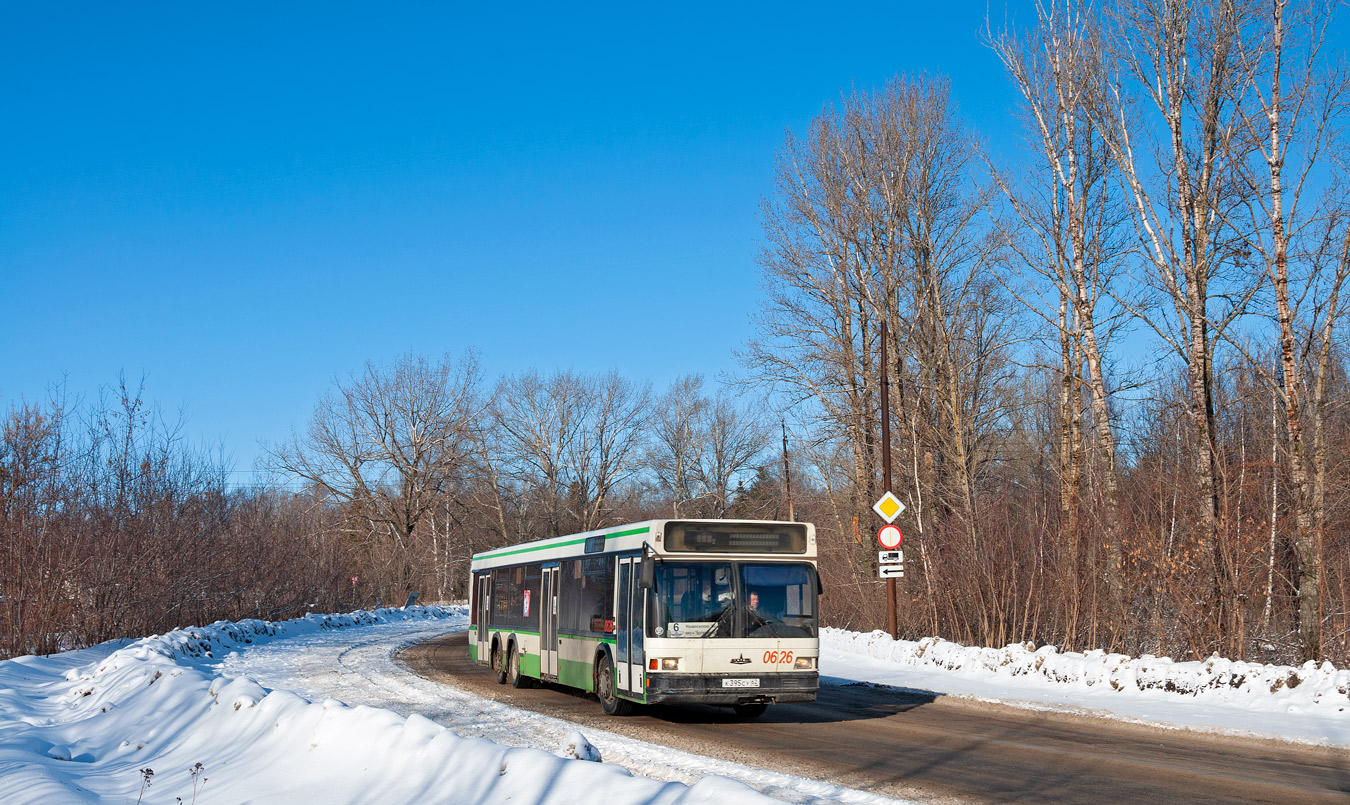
(720, 612)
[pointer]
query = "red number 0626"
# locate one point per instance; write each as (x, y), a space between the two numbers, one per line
(777, 657)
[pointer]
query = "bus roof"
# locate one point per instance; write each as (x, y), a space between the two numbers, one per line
(629, 537)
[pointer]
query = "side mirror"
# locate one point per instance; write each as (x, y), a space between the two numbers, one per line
(647, 576)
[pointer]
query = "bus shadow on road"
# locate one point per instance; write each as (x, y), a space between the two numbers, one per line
(837, 702)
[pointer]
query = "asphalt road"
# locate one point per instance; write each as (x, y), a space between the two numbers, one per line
(938, 749)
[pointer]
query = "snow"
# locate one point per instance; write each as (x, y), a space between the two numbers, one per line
(1308, 704)
(360, 670)
(80, 726)
(317, 710)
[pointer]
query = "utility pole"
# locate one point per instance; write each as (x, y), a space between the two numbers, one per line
(787, 474)
(886, 470)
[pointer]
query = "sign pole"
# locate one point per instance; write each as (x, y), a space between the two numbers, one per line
(886, 470)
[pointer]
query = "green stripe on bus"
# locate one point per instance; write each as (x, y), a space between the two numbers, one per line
(504, 631)
(629, 533)
(529, 665)
(535, 548)
(580, 675)
(551, 545)
(576, 674)
(598, 638)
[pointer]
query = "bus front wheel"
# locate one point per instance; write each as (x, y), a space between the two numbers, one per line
(605, 690)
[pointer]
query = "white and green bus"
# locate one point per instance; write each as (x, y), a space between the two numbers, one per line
(720, 612)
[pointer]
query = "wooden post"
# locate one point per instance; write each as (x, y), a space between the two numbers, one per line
(891, 625)
(787, 475)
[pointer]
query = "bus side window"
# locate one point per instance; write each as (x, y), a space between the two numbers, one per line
(621, 647)
(569, 596)
(639, 599)
(474, 592)
(597, 594)
(533, 588)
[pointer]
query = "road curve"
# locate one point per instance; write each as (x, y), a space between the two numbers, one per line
(937, 749)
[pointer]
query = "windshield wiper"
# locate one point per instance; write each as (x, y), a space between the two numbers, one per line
(718, 622)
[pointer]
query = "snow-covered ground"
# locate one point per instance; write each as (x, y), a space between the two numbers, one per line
(359, 669)
(1309, 704)
(316, 710)
(83, 726)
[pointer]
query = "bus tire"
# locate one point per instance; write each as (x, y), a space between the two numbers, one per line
(606, 689)
(513, 674)
(752, 710)
(498, 665)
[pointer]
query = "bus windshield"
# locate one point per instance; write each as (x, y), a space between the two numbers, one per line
(729, 600)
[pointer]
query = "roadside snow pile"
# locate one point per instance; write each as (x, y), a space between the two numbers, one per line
(576, 747)
(1312, 689)
(196, 642)
(148, 721)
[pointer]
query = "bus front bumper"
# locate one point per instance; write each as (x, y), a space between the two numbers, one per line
(732, 688)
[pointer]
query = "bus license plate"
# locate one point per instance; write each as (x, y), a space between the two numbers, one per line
(740, 683)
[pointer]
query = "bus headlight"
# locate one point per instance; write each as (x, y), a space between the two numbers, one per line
(805, 663)
(667, 664)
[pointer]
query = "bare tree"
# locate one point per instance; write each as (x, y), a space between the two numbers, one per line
(385, 443)
(701, 448)
(818, 329)
(1191, 66)
(607, 451)
(676, 433)
(1288, 129)
(875, 217)
(38, 568)
(1073, 243)
(535, 420)
(734, 441)
(567, 442)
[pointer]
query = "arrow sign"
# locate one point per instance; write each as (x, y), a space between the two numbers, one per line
(891, 572)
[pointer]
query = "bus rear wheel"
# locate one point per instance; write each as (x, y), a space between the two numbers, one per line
(518, 680)
(498, 666)
(752, 710)
(605, 690)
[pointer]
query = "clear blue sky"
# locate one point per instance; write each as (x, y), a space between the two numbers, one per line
(242, 201)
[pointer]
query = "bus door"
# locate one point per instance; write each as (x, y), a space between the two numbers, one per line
(628, 614)
(484, 604)
(548, 624)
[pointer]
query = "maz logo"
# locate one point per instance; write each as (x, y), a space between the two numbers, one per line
(741, 660)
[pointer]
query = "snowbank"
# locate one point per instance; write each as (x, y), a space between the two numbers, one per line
(83, 726)
(1309, 689)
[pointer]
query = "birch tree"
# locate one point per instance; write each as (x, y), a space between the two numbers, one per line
(1071, 219)
(567, 442)
(701, 447)
(1291, 124)
(1188, 66)
(875, 217)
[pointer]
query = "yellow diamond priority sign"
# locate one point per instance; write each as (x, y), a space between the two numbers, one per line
(889, 507)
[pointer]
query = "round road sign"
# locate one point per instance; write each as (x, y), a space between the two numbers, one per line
(890, 537)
